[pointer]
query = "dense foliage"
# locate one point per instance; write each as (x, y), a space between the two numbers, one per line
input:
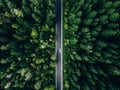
(92, 45)
(27, 44)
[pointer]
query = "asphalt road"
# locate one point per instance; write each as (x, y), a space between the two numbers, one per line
(59, 43)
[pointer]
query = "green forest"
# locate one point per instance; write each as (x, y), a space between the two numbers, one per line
(91, 44)
(27, 44)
